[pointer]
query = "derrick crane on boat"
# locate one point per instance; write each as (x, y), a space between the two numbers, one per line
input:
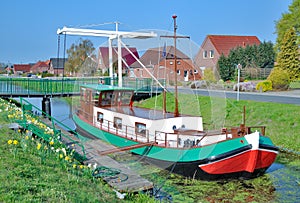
(111, 35)
(175, 36)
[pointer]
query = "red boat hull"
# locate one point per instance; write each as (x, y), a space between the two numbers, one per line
(255, 159)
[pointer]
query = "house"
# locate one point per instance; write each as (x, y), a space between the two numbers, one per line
(214, 46)
(40, 67)
(56, 66)
(160, 63)
(20, 69)
(127, 58)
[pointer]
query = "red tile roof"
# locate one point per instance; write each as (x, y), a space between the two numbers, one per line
(22, 67)
(224, 43)
(154, 55)
(125, 55)
(41, 65)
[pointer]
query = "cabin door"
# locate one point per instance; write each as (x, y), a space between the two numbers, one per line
(87, 104)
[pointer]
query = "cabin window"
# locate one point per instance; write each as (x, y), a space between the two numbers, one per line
(204, 54)
(125, 98)
(100, 117)
(178, 72)
(107, 98)
(140, 129)
(82, 94)
(211, 54)
(117, 122)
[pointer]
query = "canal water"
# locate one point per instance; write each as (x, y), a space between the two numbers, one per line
(285, 178)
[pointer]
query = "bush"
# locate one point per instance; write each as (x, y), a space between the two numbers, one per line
(209, 75)
(245, 86)
(280, 78)
(199, 84)
(264, 86)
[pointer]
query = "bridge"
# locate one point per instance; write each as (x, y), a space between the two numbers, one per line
(66, 86)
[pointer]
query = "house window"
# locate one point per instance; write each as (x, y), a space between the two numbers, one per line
(195, 71)
(171, 62)
(100, 117)
(140, 129)
(178, 72)
(117, 122)
(211, 53)
(205, 54)
(178, 62)
(185, 73)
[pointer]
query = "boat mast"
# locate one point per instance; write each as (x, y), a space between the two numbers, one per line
(176, 112)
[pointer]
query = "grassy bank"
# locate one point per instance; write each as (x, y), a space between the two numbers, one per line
(282, 120)
(34, 171)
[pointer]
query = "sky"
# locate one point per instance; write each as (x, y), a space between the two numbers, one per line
(28, 28)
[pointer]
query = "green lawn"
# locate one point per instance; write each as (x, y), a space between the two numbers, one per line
(282, 121)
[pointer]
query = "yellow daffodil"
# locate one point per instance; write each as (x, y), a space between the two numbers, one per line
(51, 142)
(67, 158)
(81, 166)
(61, 156)
(39, 146)
(15, 142)
(26, 137)
(9, 142)
(74, 165)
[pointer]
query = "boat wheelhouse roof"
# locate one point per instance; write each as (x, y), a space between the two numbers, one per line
(101, 87)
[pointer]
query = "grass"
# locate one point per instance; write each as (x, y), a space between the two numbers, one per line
(282, 121)
(32, 171)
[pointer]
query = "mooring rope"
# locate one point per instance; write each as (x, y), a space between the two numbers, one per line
(111, 173)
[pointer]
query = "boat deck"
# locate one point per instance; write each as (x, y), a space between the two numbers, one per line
(141, 112)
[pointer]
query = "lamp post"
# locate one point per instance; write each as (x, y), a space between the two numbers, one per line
(239, 66)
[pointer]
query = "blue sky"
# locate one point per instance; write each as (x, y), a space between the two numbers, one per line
(28, 28)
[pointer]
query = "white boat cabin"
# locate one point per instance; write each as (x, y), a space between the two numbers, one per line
(111, 109)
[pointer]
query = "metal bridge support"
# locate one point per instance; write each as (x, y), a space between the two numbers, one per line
(46, 106)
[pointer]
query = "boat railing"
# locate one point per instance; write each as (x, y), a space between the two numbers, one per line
(126, 131)
(244, 130)
(163, 139)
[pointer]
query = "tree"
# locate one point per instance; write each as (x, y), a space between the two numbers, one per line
(250, 57)
(226, 68)
(288, 57)
(265, 55)
(77, 54)
(288, 20)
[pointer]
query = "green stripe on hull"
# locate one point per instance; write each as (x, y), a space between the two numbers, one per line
(166, 154)
(265, 140)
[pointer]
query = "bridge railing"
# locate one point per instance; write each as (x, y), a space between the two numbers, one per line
(67, 85)
(45, 127)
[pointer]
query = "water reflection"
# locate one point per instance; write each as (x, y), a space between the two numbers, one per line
(286, 180)
(60, 110)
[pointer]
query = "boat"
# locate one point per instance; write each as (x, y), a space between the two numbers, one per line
(174, 142)
(171, 140)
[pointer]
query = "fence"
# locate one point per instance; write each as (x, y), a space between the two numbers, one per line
(256, 73)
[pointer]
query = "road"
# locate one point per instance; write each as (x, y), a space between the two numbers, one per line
(285, 97)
